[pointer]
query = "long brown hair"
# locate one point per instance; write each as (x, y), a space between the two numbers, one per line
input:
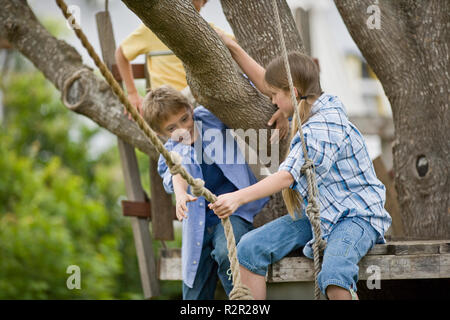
(305, 76)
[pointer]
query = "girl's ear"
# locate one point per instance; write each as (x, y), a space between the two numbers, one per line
(296, 92)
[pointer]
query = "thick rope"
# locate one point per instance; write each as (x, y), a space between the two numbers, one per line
(173, 160)
(313, 208)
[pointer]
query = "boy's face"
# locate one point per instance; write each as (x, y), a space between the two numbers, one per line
(179, 127)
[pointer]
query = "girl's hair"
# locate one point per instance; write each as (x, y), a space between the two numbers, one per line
(305, 76)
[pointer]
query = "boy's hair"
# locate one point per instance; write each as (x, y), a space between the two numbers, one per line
(305, 76)
(162, 102)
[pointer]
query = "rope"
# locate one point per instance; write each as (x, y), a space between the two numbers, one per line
(312, 209)
(173, 160)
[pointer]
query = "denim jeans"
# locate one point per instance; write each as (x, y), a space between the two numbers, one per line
(347, 243)
(214, 261)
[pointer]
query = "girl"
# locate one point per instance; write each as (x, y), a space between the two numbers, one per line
(351, 197)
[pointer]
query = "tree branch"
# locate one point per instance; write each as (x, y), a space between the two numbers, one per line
(58, 61)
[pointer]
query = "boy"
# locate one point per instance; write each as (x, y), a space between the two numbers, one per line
(204, 252)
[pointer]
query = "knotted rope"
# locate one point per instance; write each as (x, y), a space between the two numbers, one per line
(312, 209)
(173, 160)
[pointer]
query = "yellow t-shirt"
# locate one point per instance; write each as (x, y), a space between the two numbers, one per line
(163, 69)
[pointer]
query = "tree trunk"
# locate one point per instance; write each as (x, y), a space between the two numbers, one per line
(253, 24)
(410, 55)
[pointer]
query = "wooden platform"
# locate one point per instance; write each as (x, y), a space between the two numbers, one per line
(394, 260)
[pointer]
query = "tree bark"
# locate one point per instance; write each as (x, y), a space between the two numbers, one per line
(410, 55)
(253, 24)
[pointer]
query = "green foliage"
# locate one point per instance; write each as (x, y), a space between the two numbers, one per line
(58, 205)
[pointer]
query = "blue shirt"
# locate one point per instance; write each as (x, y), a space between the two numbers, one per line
(221, 148)
(346, 179)
(218, 184)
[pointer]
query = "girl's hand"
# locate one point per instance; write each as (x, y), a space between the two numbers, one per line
(181, 208)
(226, 204)
(226, 39)
(281, 123)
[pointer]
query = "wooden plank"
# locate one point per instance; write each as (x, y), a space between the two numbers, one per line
(444, 262)
(163, 212)
(138, 70)
(141, 231)
(420, 248)
(427, 266)
(410, 247)
(444, 248)
(391, 267)
(290, 268)
(380, 249)
(136, 209)
(423, 261)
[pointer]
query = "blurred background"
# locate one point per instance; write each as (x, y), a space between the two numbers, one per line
(60, 177)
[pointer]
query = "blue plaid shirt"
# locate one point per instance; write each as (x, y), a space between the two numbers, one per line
(345, 175)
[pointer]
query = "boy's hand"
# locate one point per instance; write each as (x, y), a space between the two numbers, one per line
(226, 204)
(281, 123)
(181, 208)
(135, 100)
